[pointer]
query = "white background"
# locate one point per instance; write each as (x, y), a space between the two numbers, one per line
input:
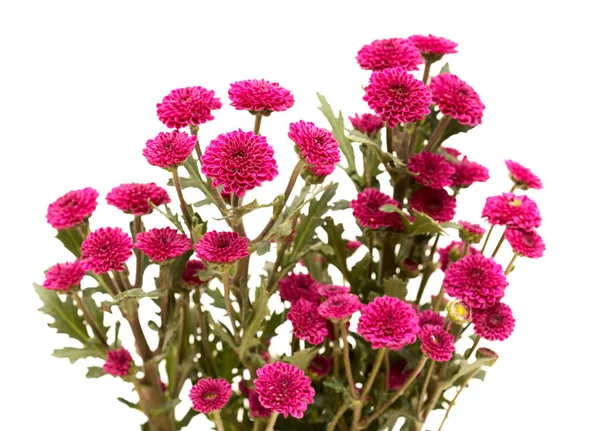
(78, 89)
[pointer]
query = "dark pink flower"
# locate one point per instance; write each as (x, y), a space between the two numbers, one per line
(222, 247)
(467, 172)
(209, 395)
(470, 232)
(456, 99)
(118, 362)
(256, 408)
(72, 209)
(430, 317)
(191, 270)
(320, 365)
(162, 244)
(106, 249)
(240, 161)
(168, 150)
(64, 276)
(477, 280)
(366, 210)
(294, 287)
(307, 324)
(385, 53)
(494, 323)
(133, 198)
(436, 203)
(259, 96)
(522, 176)
(452, 152)
(329, 290)
(388, 322)
(525, 243)
(369, 124)
(352, 246)
(432, 170)
(436, 343)
(433, 48)
(340, 306)
(317, 146)
(322, 171)
(512, 211)
(452, 253)
(185, 106)
(397, 375)
(284, 388)
(397, 96)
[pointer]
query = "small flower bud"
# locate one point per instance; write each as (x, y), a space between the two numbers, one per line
(459, 312)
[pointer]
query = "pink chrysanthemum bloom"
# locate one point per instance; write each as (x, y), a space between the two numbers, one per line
(526, 243)
(397, 377)
(477, 280)
(259, 96)
(307, 324)
(72, 208)
(366, 210)
(106, 249)
(512, 211)
(459, 311)
(369, 124)
(452, 152)
(162, 244)
(284, 388)
(257, 410)
(185, 106)
(456, 99)
(340, 307)
(191, 270)
(133, 198)
(522, 176)
(430, 317)
(222, 247)
(467, 172)
(436, 203)
(433, 48)
(317, 145)
(432, 170)
(294, 287)
(118, 362)
(388, 322)
(240, 161)
(470, 232)
(320, 365)
(168, 150)
(436, 343)
(209, 395)
(494, 323)
(385, 53)
(329, 290)
(322, 171)
(452, 253)
(397, 96)
(353, 245)
(64, 276)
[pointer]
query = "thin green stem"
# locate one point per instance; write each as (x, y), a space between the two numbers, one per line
(347, 366)
(510, 265)
(453, 402)
(272, 420)
(373, 374)
(164, 305)
(229, 306)
(426, 72)
(424, 388)
(497, 249)
(432, 145)
(139, 257)
(338, 415)
(182, 204)
(204, 344)
(487, 239)
(366, 165)
(427, 270)
(88, 318)
(356, 416)
(218, 420)
(469, 352)
(182, 326)
(438, 299)
(257, 121)
(389, 138)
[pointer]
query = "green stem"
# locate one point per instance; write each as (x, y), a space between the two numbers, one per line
(497, 249)
(373, 374)
(182, 204)
(88, 318)
(510, 264)
(453, 402)
(229, 306)
(139, 257)
(204, 344)
(426, 72)
(487, 239)
(347, 366)
(438, 299)
(218, 420)
(389, 138)
(432, 145)
(469, 352)
(339, 414)
(257, 121)
(272, 420)
(427, 270)
(182, 326)
(424, 388)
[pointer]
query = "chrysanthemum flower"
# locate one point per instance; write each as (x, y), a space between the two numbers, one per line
(284, 388)
(259, 96)
(512, 211)
(294, 287)
(340, 307)
(470, 232)
(191, 270)
(397, 375)
(185, 106)
(240, 161)
(388, 322)
(369, 124)
(353, 245)
(467, 172)
(209, 395)
(522, 176)
(106, 249)
(72, 208)
(168, 150)
(397, 96)
(366, 210)
(322, 171)
(317, 145)
(453, 252)
(307, 324)
(430, 317)
(118, 362)
(525, 243)
(433, 48)
(257, 410)
(133, 198)
(436, 343)
(436, 203)
(162, 244)
(222, 247)
(320, 365)
(329, 290)
(456, 99)
(432, 170)
(494, 323)
(385, 53)
(64, 276)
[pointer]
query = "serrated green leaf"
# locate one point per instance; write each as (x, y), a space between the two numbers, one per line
(217, 297)
(129, 404)
(274, 322)
(302, 358)
(466, 368)
(95, 372)
(73, 354)
(263, 247)
(71, 239)
(392, 164)
(259, 312)
(135, 294)
(445, 68)
(175, 271)
(395, 287)
(65, 314)
(335, 384)
(340, 252)
(422, 224)
(342, 204)
(338, 131)
(185, 421)
(96, 313)
(220, 331)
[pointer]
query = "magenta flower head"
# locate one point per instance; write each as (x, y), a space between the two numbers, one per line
(72, 208)
(259, 96)
(397, 96)
(64, 276)
(322, 171)
(284, 388)
(222, 247)
(512, 211)
(369, 124)
(436, 203)
(294, 287)
(133, 198)
(307, 324)
(467, 172)
(187, 106)
(494, 323)
(169, 150)
(385, 53)
(320, 366)
(317, 146)
(397, 375)
(432, 170)
(388, 322)
(470, 232)
(190, 273)
(209, 395)
(430, 317)
(366, 210)
(453, 252)
(162, 244)
(526, 243)
(522, 177)
(329, 290)
(477, 280)
(257, 410)
(340, 307)
(433, 48)
(436, 343)
(106, 249)
(456, 99)
(118, 362)
(240, 161)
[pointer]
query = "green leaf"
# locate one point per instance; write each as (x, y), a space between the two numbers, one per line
(454, 128)
(133, 294)
(340, 252)
(263, 247)
(166, 407)
(395, 287)
(71, 239)
(392, 164)
(259, 312)
(445, 68)
(342, 204)
(73, 354)
(185, 421)
(338, 131)
(220, 331)
(274, 322)
(335, 384)
(129, 403)
(421, 225)
(466, 368)
(302, 358)
(176, 269)
(95, 312)
(217, 297)
(95, 372)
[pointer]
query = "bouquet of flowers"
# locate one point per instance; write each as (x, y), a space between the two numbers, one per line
(367, 348)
